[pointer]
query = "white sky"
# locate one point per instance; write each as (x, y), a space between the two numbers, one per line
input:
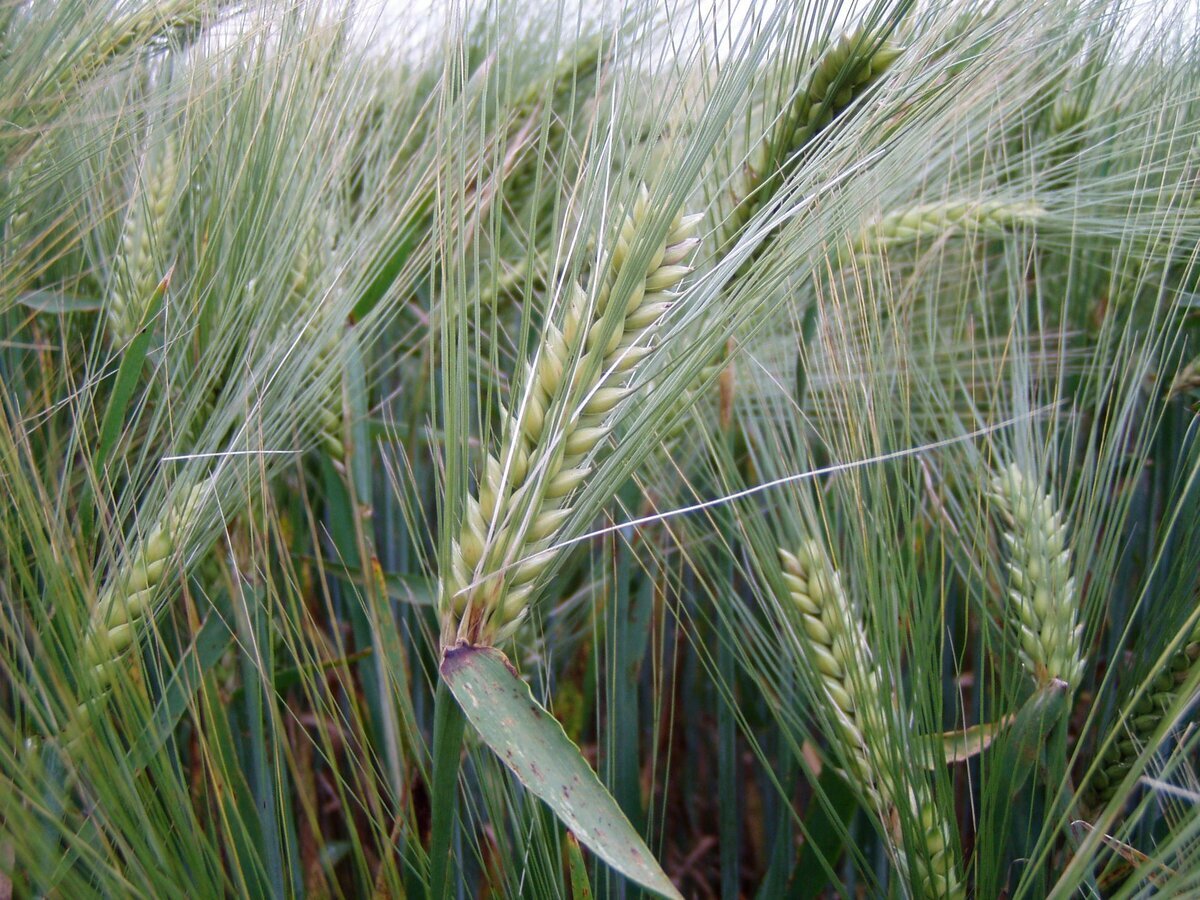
(419, 20)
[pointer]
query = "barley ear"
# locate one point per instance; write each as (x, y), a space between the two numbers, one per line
(1186, 380)
(573, 79)
(841, 75)
(572, 396)
(141, 259)
(21, 184)
(853, 688)
(935, 872)
(329, 367)
(1068, 113)
(840, 656)
(131, 590)
(1043, 600)
(932, 221)
(1137, 727)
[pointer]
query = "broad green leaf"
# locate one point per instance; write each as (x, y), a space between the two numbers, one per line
(128, 375)
(826, 830)
(581, 887)
(1036, 719)
(808, 330)
(206, 651)
(1019, 750)
(391, 261)
(534, 746)
(58, 302)
(419, 590)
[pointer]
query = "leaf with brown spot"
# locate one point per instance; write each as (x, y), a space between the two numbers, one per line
(537, 750)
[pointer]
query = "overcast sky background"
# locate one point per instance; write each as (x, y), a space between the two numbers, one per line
(405, 21)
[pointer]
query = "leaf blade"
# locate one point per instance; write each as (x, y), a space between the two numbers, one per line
(535, 748)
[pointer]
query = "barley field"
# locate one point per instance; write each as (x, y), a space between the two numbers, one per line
(519, 449)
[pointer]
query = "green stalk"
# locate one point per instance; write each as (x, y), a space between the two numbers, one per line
(629, 628)
(448, 726)
(727, 778)
(727, 766)
(730, 823)
(257, 667)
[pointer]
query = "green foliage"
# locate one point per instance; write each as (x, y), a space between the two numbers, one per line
(845, 527)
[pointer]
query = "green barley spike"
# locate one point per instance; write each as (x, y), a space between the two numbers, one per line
(1141, 723)
(841, 657)
(147, 231)
(1186, 380)
(852, 684)
(573, 392)
(19, 183)
(843, 73)
(128, 596)
(936, 871)
(571, 84)
(1068, 113)
(933, 221)
(302, 277)
(1043, 600)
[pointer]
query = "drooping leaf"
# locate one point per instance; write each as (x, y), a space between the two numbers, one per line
(419, 590)
(206, 651)
(534, 746)
(957, 746)
(826, 828)
(58, 302)
(1019, 748)
(391, 260)
(128, 376)
(1037, 718)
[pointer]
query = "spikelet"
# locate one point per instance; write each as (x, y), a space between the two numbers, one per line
(330, 416)
(573, 392)
(18, 235)
(1042, 596)
(512, 279)
(698, 394)
(126, 599)
(140, 27)
(145, 236)
(329, 368)
(842, 658)
(20, 182)
(931, 221)
(842, 74)
(1141, 723)
(852, 686)
(935, 871)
